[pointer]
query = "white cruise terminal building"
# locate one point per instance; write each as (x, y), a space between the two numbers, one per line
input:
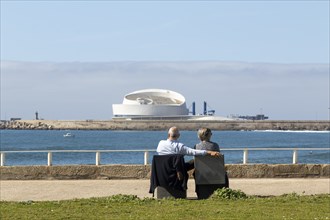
(156, 104)
(151, 102)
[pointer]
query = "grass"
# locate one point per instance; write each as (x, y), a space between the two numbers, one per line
(228, 204)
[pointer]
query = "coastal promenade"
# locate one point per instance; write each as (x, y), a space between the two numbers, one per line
(53, 190)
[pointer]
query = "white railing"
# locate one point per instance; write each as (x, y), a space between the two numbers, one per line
(146, 153)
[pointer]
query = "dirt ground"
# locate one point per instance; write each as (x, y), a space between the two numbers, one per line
(48, 190)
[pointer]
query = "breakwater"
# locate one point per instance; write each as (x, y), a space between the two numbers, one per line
(233, 125)
(143, 171)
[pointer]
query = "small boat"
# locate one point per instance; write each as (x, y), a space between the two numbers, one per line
(68, 135)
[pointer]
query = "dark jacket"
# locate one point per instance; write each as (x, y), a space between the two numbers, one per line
(164, 172)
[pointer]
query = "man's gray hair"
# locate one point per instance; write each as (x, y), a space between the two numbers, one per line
(174, 132)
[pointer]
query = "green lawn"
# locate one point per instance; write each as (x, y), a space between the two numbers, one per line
(131, 207)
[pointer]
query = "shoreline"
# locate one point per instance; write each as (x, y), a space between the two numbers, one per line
(235, 125)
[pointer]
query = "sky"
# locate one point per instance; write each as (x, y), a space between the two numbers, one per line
(71, 60)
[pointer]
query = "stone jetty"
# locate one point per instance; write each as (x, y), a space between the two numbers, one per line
(231, 125)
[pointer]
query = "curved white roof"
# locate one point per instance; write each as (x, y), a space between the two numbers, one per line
(154, 97)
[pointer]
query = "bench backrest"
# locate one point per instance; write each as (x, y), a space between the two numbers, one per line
(209, 170)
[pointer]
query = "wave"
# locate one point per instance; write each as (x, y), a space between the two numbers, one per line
(292, 131)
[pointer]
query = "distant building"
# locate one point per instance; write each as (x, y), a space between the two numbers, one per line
(151, 102)
(15, 119)
(250, 117)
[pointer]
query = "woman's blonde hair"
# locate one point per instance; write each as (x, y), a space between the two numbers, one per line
(204, 134)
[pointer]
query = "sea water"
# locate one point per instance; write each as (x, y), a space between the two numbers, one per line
(33, 140)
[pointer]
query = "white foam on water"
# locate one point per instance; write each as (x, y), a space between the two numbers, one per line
(292, 131)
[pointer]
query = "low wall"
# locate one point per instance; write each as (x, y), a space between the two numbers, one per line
(143, 171)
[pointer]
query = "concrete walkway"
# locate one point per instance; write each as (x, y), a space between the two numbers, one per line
(43, 190)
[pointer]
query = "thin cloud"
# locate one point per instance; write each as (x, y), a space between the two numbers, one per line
(86, 90)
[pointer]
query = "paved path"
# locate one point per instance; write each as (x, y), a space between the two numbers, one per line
(42, 190)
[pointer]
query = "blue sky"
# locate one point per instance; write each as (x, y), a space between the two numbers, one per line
(254, 31)
(73, 59)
